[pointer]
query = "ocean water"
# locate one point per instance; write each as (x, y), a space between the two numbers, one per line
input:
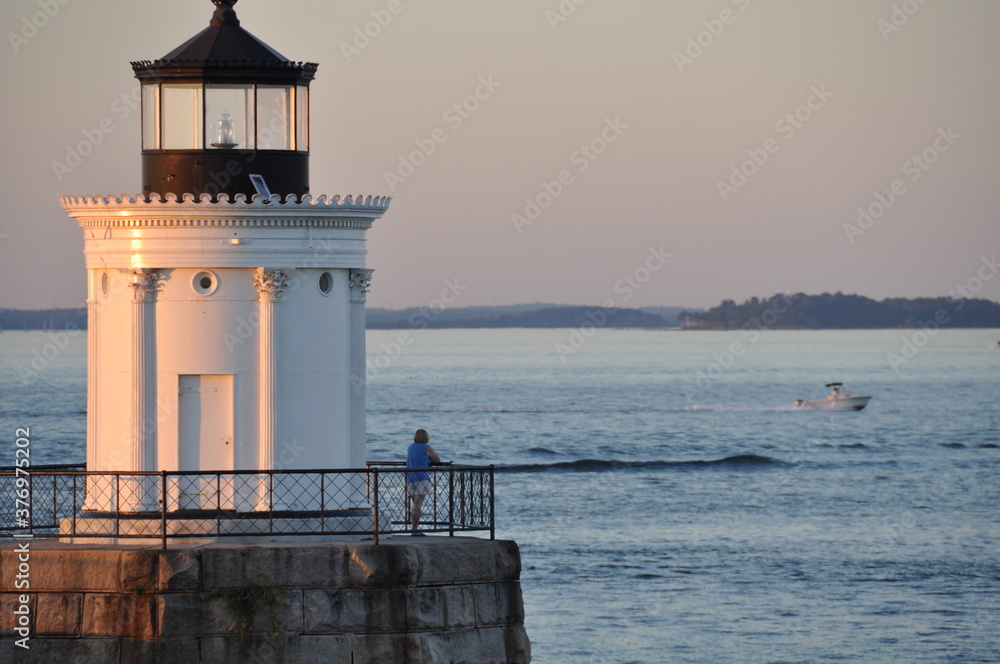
(670, 503)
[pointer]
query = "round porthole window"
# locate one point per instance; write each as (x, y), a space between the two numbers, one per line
(105, 283)
(205, 283)
(326, 283)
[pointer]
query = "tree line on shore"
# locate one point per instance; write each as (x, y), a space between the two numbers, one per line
(840, 312)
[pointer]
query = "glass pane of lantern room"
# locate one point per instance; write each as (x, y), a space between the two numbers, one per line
(151, 116)
(302, 118)
(275, 105)
(229, 117)
(181, 116)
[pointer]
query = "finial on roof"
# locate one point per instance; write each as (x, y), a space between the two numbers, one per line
(224, 13)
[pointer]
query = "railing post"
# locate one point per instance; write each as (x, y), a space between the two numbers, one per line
(375, 504)
(463, 499)
(74, 501)
(322, 502)
(163, 509)
(451, 502)
(118, 503)
(55, 500)
(493, 511)
(31, 500)
(270, 502)
(218, 504)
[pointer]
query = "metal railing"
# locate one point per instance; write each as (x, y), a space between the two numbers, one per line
(70, 503)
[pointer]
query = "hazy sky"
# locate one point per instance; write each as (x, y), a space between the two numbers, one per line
(738, 136)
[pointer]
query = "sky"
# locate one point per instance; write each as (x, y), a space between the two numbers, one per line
(637, 153)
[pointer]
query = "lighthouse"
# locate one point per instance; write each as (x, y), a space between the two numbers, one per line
(229, 510)
(226, 301)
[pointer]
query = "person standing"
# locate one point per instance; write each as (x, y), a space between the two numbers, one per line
(418, 483)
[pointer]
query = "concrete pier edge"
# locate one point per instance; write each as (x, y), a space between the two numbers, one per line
(407, 600)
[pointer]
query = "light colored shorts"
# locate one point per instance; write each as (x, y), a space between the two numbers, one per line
(423, 488)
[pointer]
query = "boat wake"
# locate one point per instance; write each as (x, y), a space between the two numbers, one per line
(742, 409)
(741, 461)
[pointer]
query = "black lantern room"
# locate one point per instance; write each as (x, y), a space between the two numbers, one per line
(221, 107)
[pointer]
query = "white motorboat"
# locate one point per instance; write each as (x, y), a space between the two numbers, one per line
(838, 399)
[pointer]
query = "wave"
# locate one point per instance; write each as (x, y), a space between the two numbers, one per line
(530, 410)
(604, 465)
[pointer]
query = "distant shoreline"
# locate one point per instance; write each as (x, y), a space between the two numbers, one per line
(780, 312)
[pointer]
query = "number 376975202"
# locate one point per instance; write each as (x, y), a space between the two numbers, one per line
(22, 454)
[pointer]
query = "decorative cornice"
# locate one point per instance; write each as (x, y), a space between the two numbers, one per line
(271, 284)
(221, 222)
(308, 68)
(123, 211)
(360, 284)
(239, 202)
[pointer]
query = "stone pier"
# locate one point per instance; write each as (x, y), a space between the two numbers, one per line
(407, 601)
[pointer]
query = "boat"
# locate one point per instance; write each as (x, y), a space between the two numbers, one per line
(838, 399)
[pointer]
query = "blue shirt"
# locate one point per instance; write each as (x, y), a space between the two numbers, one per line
(417, 457)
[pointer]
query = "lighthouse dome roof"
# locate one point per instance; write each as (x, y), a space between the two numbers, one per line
(224, 52)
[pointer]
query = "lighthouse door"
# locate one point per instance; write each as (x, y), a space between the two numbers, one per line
(206, 441)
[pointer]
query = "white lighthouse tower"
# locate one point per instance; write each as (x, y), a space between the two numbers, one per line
(226, 303)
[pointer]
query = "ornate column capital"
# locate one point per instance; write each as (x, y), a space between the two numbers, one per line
(271, 284)
(361, 283)
(145, 283)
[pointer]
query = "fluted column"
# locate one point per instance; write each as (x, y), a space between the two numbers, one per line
(360, 280)
(90, 501)
(142, 436)
(271, 286)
